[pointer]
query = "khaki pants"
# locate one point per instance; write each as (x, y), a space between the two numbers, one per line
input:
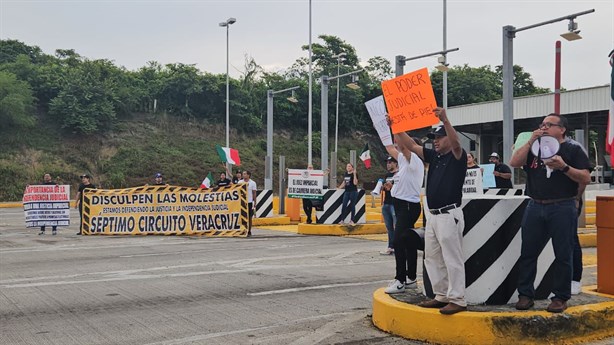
(443, 255)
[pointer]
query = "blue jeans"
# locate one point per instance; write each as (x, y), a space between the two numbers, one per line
(540, 223)
(389, 220)
(351, 197)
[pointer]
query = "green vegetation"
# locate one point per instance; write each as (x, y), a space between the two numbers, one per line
(65, 114)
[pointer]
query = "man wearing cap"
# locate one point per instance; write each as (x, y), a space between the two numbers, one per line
(551, 213)
(85, 184)
(392, 166)
(158, 180)
(443, 254)
(503, 173)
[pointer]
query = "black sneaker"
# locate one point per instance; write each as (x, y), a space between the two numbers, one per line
(41, 233)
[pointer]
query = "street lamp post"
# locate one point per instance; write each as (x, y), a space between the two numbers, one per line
(339, 58)
(325, 80)
(268, 167)
(227, 24)
(509, 32)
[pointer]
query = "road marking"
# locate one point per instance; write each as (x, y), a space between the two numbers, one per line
(132, 274)
(318, 287)
(200, 337)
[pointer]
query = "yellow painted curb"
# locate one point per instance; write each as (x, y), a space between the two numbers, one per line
(341, 230)
(280, 220)
(588, 240)
(578, 324)
(11, 205)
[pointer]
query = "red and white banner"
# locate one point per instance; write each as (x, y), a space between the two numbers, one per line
(46, 205)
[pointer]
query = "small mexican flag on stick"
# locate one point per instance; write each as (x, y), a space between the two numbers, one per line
(365, 156)
(207, 182)
(228, 155)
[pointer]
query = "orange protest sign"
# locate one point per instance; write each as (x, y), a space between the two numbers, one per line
(410, 101)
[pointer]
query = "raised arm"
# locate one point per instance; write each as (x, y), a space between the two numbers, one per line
(457, 150)
(405, 144)
(519, 157)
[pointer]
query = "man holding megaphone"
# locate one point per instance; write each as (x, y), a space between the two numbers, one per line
(555, 169)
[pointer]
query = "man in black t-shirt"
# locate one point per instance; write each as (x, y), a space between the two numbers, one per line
(85, 184)
(223, 181)
(238, 177)
(445, 221)
(551, 212)
(503, 173)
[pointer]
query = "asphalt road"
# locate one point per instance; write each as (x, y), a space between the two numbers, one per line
(273, 288)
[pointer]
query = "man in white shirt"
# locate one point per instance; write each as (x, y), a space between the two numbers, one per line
(251, 198)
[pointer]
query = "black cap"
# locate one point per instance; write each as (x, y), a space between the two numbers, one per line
(158, 175)
(85, 175)
(439, 132)
(390, 158)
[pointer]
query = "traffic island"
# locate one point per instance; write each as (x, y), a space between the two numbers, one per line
(590, 316)
(341, 230)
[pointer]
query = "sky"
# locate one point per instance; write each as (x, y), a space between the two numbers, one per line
(133, 32)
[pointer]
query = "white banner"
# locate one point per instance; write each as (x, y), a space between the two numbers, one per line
(377, 110)
(305, 184)
(47, 205)
(473, 182)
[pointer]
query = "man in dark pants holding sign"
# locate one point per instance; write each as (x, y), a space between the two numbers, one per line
(443, 252)
(551, 212)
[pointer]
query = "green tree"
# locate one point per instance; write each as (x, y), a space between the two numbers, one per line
(468, 85)
(16, 102)
(85, 103)
(379, 69)
(523, 82)
(11, 49)
(181, 81)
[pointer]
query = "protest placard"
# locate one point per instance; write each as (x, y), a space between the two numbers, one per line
(166, 210)
(377, 110)
(410, 101)
(522, 139)
(305, 184)
(488, 180)
(46, 205)
(473, 182)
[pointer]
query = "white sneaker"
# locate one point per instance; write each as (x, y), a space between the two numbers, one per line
(576, 287)
(409, 283)
(395, 287)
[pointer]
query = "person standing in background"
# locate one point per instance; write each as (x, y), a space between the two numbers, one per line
(251, 198)
(350, 184)
(47, 181)
(392, 166)
(85, 184)
(503, 173)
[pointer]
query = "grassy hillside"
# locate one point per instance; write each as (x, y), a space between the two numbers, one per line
(138, 147)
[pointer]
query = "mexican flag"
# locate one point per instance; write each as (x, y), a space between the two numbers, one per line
(609, 139)
(207, 182)
(365, 156)
(228, 155)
